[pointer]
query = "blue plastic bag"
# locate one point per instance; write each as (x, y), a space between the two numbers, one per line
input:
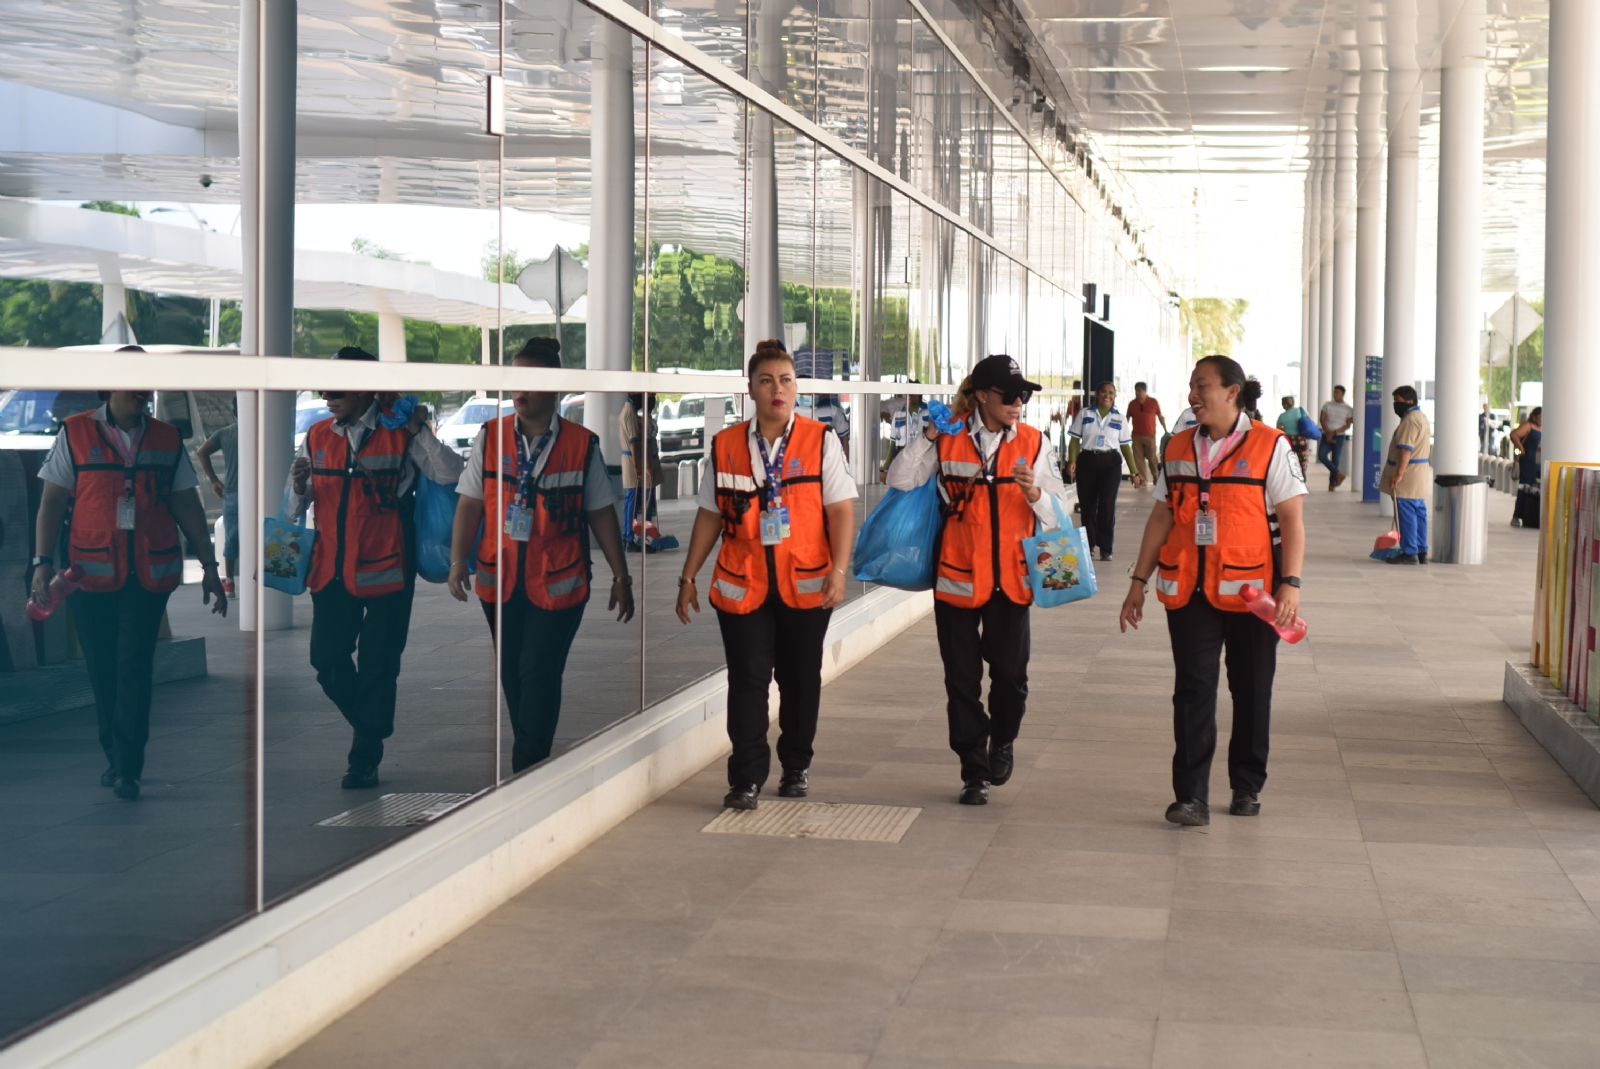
(399, 413)
(1309, 429)
(1059, 568)
(895, 545)
(941, 416)
(286, 551)
(435, 521)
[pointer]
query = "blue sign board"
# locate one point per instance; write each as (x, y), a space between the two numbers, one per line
(1369, 454)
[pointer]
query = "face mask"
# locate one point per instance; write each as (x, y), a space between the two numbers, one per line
(1401, 408)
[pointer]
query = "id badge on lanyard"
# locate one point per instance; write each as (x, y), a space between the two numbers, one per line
(775, 517)
(1205, 528)
(1205, 521)
(519, 523)
(774, 525)
(519, 513)
(126, 509)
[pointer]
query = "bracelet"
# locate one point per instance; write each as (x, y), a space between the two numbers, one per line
(1289, 580)
(842, 572)
(208, 564)
(1140, 580)
(624, 579)
(682, 582)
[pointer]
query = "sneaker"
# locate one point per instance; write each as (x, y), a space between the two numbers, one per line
(1194, 813)
(1402, 558)
(1105, 556)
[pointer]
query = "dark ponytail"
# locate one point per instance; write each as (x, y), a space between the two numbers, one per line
(1231, 374)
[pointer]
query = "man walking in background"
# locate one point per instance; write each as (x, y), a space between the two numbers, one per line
(226, 488)
(1406, 476)
(1336, 418)
(1145, 410)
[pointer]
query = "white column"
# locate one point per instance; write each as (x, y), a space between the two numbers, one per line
(1400, 239)
(611, 224)
(267, 70)
(1325, 262)
(1572, 235)
(1456, 379)
(1313, 376)
(1344, 233)
(1303, 396)
(391, 337)
(763, 302)
(1369, 234)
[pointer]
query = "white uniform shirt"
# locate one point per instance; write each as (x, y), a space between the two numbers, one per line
(919, 461)
(1284, 477)
(597, 489)
(837, 485)
(1334, 415)
(1101, 435)
(59, 469)
(1184, 420)
(425, 452)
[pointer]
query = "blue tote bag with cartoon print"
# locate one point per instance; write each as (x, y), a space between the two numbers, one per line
(1059, 568)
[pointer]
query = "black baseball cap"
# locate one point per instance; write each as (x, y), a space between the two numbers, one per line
(1000, 372)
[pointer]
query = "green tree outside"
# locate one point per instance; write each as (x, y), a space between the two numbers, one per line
(1530, 368)
(1215, 324)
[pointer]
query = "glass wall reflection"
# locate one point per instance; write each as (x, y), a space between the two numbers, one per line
(125, 713)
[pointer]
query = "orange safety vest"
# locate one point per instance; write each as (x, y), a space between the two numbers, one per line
(95, 542)
(1244, 551)
(985, 520)
(361, 536)
(557, 549)
(801, 562)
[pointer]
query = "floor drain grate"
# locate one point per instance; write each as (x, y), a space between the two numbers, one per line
(396, 811)
(818, 820)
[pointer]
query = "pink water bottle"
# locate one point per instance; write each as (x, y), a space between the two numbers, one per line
(60, 587)
(1265, 606)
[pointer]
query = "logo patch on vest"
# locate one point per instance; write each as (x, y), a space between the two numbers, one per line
(94, 451)
(1241, 468)
(794, 466)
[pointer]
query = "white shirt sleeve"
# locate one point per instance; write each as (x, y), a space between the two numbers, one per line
(837, 485)
(706, 496)
(1075, 428)
(1047, 477)
(598, 493)
(57, 467)
(913, 465)
(297, 504)
(183, 476)
(1285, 480)
(434, 459)
(471, 482)
(1126, 437)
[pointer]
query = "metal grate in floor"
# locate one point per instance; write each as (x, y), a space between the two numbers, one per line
(396, 811)
(818, 820)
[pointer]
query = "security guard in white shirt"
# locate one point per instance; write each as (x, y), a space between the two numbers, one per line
(1102, 438)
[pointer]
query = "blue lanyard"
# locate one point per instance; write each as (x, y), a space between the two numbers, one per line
(527, 460)
(774, 465)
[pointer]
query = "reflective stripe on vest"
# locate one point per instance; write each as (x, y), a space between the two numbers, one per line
(1242, 553)
(985, 521)
(557, 575)
(94, 541)
(800, 563)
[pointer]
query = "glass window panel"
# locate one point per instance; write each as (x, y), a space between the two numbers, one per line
(844, 43)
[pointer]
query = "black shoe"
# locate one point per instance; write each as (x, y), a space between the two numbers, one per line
(796, 783)
(126, 788)
(1403, 558)
(1245, 804)
(741, 796)
(973, 792)
(1105, 556)
(1422, 558)
(360, 779)
(1001, 763)
(108, 778)
(1194, 813)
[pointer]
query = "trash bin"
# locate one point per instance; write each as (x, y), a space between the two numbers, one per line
(1460, 520)
(688, 481)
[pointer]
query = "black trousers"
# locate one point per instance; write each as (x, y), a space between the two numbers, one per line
(999, 633)
(1099, 479)
(118, 630)
(1199, 632)
(533, 658)
(364, 687)
(774, 641)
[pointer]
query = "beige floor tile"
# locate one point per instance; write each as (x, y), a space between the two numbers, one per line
(1304, 931)
(1045, 918)
(1194, 1045)
(1474, 1052)
(1482, 940)
(1507, 1018)
(1567, 981)
(1470, 858)
(1258, 898)
(1047, 975)
(1018, 1039)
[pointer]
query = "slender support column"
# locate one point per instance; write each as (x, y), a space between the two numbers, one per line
(1325, 262)
(1572, 235)
(267, 71)
(1456, 377)
(763, 304)
(1344, 234)
(611, 225)
(1400, 239)
(1303, 396)
(391, 337)
(1369, 236)
(1313, 381)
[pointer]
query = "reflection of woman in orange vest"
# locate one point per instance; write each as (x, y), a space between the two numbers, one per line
(132, 488)
(778, 492)
(996, 479)
(1232, 489)
(362, 477)
(542, 482)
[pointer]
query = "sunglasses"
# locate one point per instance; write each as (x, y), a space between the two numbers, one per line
(1011, 397)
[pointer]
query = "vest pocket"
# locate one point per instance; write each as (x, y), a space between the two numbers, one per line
(95, 560)
(810, 572)
(1238, 566)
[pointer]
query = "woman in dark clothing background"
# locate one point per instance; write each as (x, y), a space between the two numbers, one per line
(1526, 439)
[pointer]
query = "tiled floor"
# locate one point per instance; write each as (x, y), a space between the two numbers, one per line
(1421, 888)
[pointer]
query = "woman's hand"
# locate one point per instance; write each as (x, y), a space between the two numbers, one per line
(622, 598)
(1072, 469)
(41, 583)
(832, 590)
(688, 598)
(1022, 473)
(458, 580)
(1132, 607)
(301, 470)
(1288, 599)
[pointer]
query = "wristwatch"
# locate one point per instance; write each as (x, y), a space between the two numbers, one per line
(35, 562)
(1289, 580)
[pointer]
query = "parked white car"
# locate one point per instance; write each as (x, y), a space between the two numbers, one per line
(680, 435)
(461, 429)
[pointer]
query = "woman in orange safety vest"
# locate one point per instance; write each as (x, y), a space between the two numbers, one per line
(996, 480)
(779, 494)
(1232, 518)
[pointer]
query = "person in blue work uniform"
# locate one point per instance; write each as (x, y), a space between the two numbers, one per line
(1407, 477)
(1102, 440)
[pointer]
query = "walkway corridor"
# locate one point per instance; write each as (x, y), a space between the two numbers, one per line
(1421, 888)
